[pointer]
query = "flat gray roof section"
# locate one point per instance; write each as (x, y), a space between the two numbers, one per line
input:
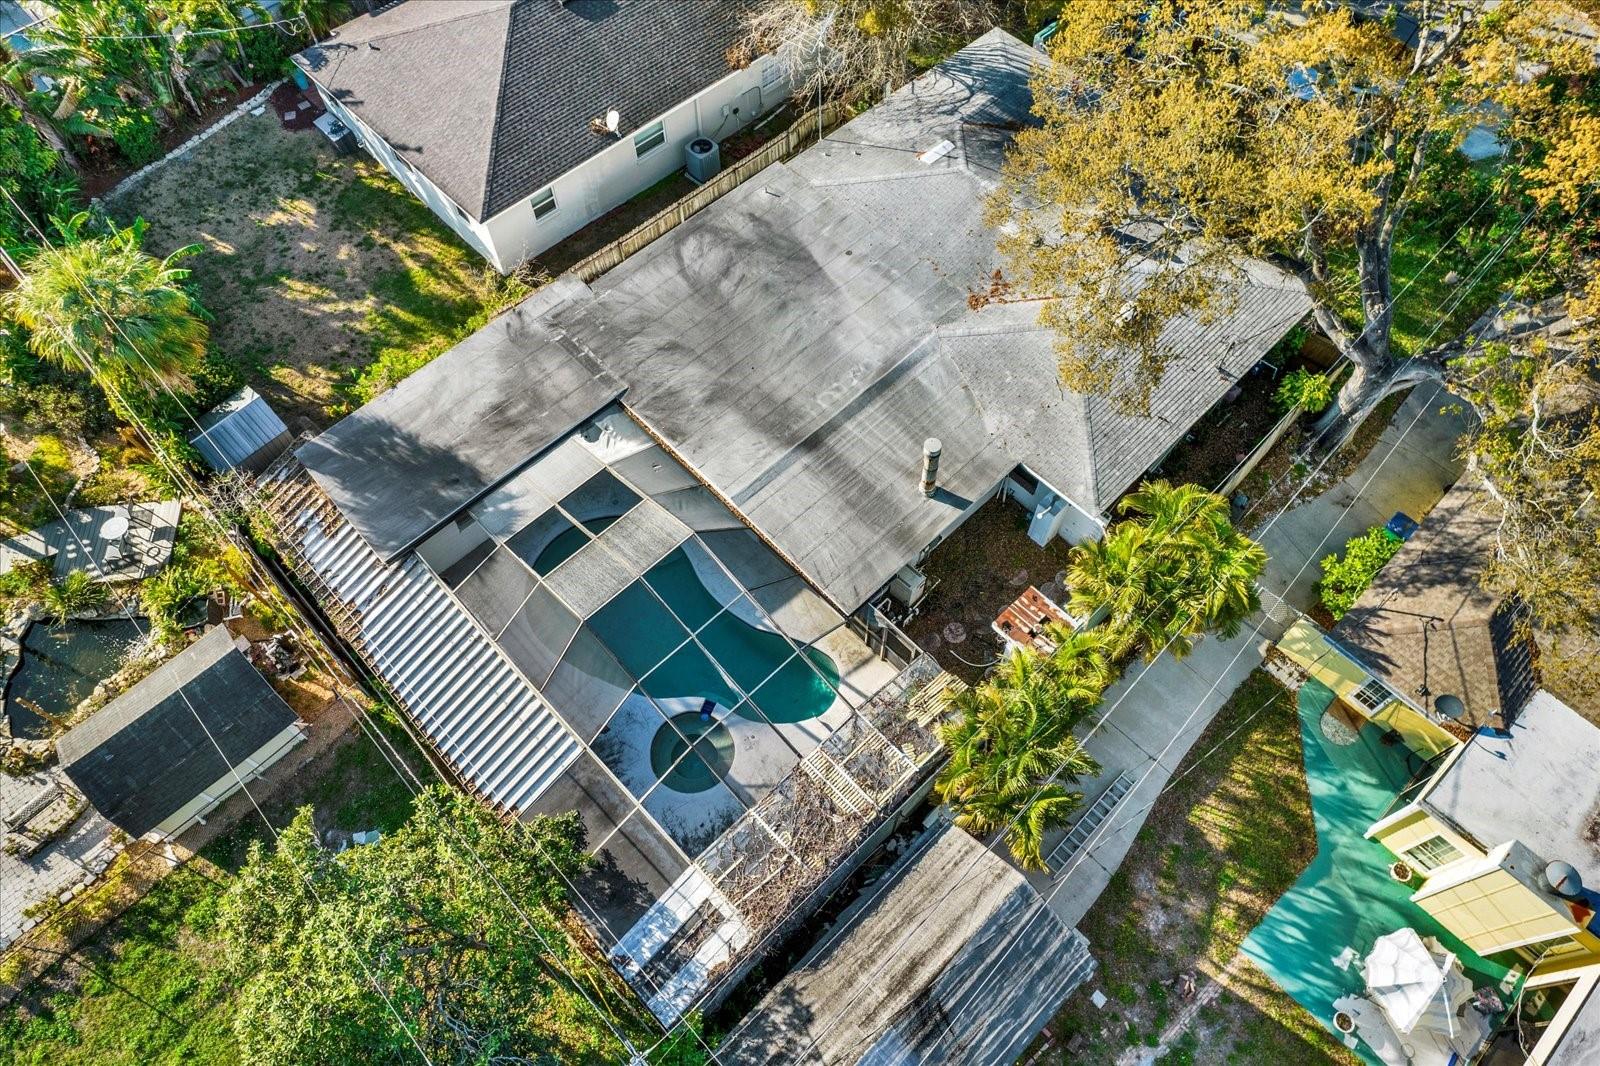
(408, 461)
(797, 341)
(144, 755)
(1536, 786)
(966, 964)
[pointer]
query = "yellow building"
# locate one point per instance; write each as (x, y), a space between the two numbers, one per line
(1502, 825)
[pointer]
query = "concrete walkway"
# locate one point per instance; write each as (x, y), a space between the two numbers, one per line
(1153, 715)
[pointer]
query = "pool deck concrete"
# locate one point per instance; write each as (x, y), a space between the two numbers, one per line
(1149, 720)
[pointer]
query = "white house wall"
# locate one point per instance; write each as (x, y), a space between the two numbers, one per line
(472, 232)
(247, 769)
(617, 174)
(598, 184)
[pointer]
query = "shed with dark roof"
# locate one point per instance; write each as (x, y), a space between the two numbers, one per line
(1430, 630)
(162, 754)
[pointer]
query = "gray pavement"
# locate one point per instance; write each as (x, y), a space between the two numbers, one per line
(1153, 715)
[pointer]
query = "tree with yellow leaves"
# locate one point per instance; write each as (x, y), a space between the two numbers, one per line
(1177, 138)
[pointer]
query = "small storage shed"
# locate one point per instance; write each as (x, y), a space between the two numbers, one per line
(150, 760)
(242, 433)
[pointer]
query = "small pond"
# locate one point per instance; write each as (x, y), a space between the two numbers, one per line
(60, 667)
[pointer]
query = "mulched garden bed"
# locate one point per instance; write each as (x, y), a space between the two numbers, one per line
(974, 574)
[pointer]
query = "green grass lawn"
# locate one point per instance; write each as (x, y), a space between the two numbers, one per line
(147, 988)
(326, 279)
(1218, 850)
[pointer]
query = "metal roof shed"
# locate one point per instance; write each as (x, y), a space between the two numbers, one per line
(243, 432)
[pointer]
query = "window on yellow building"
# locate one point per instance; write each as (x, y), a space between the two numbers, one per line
(1373, 694)
(1432, 853)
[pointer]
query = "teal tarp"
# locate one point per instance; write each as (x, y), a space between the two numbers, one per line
(1345, 898)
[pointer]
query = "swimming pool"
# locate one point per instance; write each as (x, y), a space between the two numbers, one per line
(710, 740)
(733, 656)
(565, 544)
(60, 667)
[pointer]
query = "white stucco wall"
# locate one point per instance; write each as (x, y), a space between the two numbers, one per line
(248, 769)
(605, 180)
(472, 232)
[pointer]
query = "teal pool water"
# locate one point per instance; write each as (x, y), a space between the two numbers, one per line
(1346, 897)
(566, 544)
(710, 741)
(640, 632)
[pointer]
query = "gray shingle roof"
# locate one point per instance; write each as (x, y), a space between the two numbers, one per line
(491, 99)
(1427, 621)
(970, 981)
(141, 757)
(796, 341)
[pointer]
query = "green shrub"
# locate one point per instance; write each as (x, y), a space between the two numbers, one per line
(137, 137)
(1310, 391)
(1344, 580)
(25, 581)
(74, 593)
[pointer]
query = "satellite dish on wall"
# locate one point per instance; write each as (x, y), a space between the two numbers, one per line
(613, 121)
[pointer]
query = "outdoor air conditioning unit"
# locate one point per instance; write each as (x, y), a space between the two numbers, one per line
(702, 160)
(908, 586)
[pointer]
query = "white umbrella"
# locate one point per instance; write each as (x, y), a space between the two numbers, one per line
(1404, 978)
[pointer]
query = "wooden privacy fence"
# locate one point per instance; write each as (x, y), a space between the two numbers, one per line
(808, 130)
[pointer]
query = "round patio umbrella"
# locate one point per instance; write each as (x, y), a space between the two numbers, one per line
(1403, 977)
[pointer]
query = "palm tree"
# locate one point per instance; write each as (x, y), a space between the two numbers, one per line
(103, 299)
(1173, 570)
(1012, 757)
(74, 593)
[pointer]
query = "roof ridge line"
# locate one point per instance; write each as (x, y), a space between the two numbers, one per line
(482, 209)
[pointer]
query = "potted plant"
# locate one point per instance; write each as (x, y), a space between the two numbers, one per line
(1401, 872)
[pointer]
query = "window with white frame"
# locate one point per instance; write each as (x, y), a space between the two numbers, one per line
(650, 138)
(543, 202)
(1373, 694)
(1432, 853)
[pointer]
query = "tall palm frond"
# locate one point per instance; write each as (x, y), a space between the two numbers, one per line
(103, 299)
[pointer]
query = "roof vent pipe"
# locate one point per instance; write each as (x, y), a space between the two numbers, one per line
(930, 465)
(1563, 880)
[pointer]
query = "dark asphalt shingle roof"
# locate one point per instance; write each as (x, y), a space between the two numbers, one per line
(491, 99)
(1427, 622)
(796, 341)
(142, 756)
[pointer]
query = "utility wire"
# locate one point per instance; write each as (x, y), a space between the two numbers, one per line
(233, 769)
(249, 555)
(1089, 846)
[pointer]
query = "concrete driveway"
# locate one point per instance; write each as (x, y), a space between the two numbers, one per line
(1153, 715)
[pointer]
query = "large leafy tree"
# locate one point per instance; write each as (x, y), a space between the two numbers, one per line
(1175, 568)
(1535, 446)
(424, 914)
(1013, 757)
(1177, 136)
(100, 297)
